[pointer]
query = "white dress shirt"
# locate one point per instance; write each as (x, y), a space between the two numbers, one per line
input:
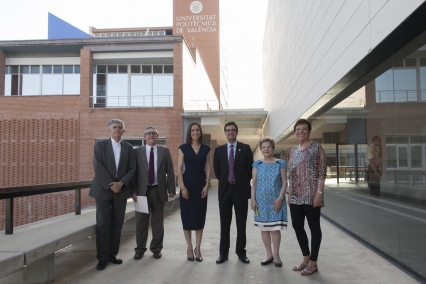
(148, 152)
(116, 147)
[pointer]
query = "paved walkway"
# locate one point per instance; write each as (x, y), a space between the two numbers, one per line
(341, 260)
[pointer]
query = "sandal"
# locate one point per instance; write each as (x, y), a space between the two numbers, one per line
(309, 269)
(300, 266)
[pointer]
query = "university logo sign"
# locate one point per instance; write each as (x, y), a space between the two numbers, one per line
(196, 7)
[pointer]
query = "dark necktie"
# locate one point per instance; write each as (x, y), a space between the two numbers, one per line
(151, 179)
(231, 176)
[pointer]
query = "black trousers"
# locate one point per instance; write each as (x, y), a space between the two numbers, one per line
(109, 222)
(232, 198)
(298, 214)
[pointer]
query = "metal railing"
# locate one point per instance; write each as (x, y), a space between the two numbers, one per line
(130, 101)
(9, 193)
(202, 105)
(400, 96)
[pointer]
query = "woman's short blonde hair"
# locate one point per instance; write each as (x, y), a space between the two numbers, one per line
(267, 139)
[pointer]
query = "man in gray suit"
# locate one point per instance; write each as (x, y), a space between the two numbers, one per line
(114, 164)
(154, 179)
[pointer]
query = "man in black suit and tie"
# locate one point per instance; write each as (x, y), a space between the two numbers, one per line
(114, 164)
(233, 168)
(155, 179)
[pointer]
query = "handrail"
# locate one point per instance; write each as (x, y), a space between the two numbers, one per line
(8, 193)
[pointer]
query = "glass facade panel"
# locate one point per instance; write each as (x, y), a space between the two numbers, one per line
(146, 68)
(71, 84)
(31, 85)
(51, 84)
(162, 86)
(141, 90)
(47, 69)
(117, 86)
(68, 69)
(380, 197)
(416, 157)
(35, 69)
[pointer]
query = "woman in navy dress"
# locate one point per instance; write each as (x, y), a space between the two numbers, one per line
(194, 178)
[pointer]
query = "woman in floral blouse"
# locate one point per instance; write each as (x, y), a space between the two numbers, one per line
(307, 172)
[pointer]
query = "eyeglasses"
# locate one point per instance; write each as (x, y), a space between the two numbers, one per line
(150, 133)
(231, 130)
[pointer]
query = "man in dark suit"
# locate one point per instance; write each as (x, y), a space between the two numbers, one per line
(233, 168)
(114, 164)
(155, 179)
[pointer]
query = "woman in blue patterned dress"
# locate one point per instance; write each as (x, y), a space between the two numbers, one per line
(269, 185)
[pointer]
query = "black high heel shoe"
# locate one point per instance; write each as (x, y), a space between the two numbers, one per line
(199, 259)
(190, 258)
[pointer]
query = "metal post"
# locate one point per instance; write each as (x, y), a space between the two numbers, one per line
(78, 201)
(9, 216)
(337, 163)
(356, 163)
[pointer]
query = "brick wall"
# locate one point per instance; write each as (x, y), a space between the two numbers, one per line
(49, 139)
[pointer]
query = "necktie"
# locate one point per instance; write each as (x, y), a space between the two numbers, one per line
(231, 176)
(151, 177)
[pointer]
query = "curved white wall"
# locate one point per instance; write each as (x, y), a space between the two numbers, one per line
(310, 45)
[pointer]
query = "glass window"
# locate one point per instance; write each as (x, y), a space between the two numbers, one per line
(402, 157)
(76, 69)
(135, 69)
(51, 84)
(157, 69)
(122, 69)
(135, 142)
(35, 69)
(162, 86)
(117, 88)
(391, 157)
(112, 69)
(71, 84)
(410, 62)
(168, 68)
(14, 69)
(141, 90)
(25, 69)
(101, 69)
(57, 69)
(416, 157)
(147, 69)
(68, 69)
(120, 34)
(31, 85)
(6, 71)
(47, 69)
(402, 139)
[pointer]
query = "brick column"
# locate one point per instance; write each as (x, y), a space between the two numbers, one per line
(177, 75)
(2, 71)
(86, 77)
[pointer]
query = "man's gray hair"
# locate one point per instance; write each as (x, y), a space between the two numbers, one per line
(151, 127)
(115, 121)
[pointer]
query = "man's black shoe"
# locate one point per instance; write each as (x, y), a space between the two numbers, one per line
(244, 259)
(114, 259)
(222, 259)
(138, 255)
(101, 264)
(157, 254)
